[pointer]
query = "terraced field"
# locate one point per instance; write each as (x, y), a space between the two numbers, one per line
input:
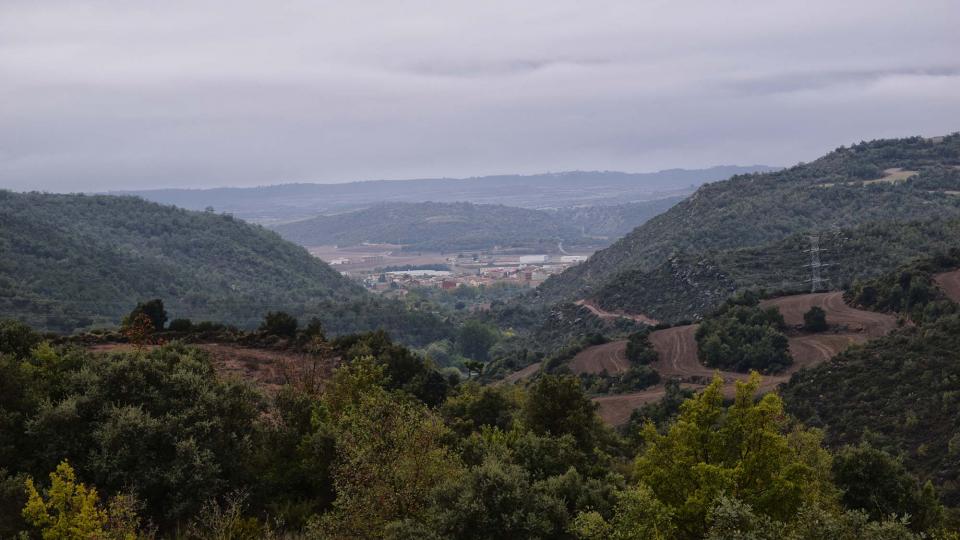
(871, 323)
(677, 350)
(610, 357)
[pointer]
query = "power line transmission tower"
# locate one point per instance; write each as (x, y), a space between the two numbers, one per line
(816, 278)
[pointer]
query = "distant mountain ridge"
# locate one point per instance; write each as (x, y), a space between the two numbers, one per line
(884, 180)
(433, 226)
(292, 202)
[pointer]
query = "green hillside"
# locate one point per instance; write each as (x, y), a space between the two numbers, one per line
(846, 188)
(898, 393)
(433, 226)
(74, 261)
(687, 286)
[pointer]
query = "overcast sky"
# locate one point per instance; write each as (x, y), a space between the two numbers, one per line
(196, 93)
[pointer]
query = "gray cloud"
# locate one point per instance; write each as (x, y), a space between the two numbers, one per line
(105, 95)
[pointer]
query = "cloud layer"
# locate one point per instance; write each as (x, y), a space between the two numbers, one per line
(129, 95)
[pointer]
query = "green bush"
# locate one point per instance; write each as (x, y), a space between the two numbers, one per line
(815, 320)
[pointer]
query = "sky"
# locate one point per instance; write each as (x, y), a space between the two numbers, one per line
(108, 95)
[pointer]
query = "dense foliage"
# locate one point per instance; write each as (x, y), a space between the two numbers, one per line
(899, 393)
(157, 443)
(744, 337)
(909, 290)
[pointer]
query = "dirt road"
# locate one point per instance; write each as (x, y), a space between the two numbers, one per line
(603, 314)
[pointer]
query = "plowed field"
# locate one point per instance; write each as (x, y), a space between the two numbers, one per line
(838, 313)
(610, 357)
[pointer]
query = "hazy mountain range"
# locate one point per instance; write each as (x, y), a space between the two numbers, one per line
(291, 202)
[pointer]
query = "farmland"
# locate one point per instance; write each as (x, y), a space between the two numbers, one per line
(676, 348)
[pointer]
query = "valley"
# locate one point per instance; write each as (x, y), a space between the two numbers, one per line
(479, 270)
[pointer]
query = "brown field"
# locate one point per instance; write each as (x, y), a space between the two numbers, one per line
(949, 282)
(603, 314)
(677, 350)
(616, 409)
(838, 313)
(610, 357)
(268, 369)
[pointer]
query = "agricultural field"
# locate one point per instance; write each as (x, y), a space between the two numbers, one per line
(676, 348)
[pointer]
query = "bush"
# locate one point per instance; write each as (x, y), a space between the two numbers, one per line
(180, 325)
(154, 310)
(815, 320)
(639, 349)
(16, 338)
(279, 323)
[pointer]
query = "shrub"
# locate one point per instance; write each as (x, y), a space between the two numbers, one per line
(279, 323)
(815, 320)
(180, 325)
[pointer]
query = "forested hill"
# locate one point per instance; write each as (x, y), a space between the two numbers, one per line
(72, 261)
(848, 187)
(459, 226)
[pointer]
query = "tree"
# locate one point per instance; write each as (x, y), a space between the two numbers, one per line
(638, 515)
(815, 320)
(498, 500)
(556, 405)
(744, 451)
(472, 367)
(879, 484)
(391, 458)
(153, 309)
(16, 338)
(475, 340)
(139, 330)
(180, 325)
(279, 323)
(69, 511)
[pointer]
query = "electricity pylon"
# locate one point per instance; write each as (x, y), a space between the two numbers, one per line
(816, 278)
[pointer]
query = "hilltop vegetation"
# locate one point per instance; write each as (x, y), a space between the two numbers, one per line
(447, 227)
(75, 261)
(756, 209)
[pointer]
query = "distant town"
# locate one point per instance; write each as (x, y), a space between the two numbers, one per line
(386, 268)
